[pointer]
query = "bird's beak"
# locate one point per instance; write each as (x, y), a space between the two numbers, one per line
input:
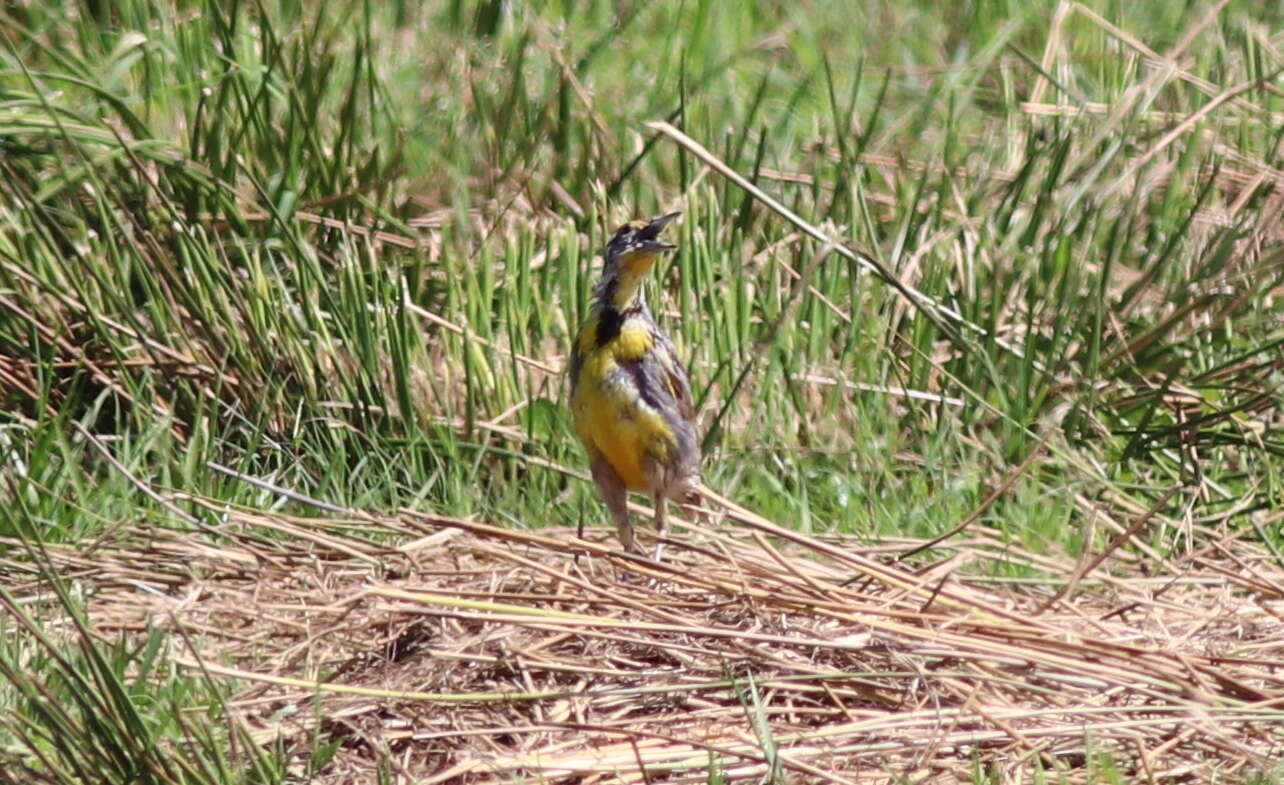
(650, 234)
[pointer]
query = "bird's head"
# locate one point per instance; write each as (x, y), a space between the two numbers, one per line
(631, 254)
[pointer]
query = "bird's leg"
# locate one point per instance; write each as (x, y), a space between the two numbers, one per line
(616, 497)
(661, 503)
(623, 526)
(625, 529)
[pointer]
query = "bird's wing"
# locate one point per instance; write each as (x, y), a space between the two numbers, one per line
(581, 346)
(675, 379)
(659, 378)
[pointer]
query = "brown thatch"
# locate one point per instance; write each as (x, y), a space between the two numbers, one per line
(475, 654)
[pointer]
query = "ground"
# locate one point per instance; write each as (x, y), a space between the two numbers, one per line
(469, 653)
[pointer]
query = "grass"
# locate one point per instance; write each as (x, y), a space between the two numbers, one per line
(342, 249)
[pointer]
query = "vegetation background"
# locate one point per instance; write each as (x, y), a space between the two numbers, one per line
(340, 249)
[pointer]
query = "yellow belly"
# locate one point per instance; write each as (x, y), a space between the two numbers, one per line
(612, 420)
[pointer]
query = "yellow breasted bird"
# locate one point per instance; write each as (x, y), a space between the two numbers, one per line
(630, 397)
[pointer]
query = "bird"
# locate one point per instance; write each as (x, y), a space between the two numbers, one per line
(630, 397)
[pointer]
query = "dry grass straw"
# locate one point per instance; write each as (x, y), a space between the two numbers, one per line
(470, 653)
